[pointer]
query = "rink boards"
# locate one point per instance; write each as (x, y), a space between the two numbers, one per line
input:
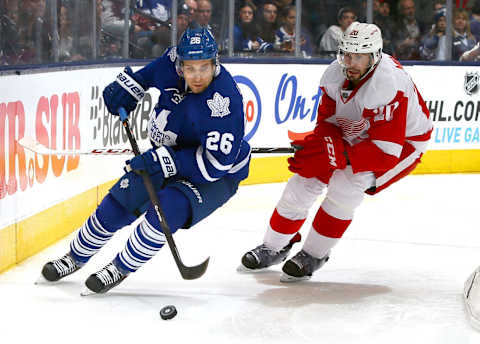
(43, 198)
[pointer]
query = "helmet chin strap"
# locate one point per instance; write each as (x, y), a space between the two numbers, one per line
(372, 65)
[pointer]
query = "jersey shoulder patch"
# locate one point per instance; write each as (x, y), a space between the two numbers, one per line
(219, 105)
(172, 54)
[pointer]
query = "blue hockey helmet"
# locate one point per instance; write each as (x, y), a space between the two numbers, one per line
(197, 44)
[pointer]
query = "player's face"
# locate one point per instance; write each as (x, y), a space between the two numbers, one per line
(356, 65)
(198, 74)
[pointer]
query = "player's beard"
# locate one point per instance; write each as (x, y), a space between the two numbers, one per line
(354, 74)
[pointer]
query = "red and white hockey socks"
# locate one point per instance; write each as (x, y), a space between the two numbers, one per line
(326, 231)
(281, 230)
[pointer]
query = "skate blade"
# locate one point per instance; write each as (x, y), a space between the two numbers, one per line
(244, 270)
(42, 280)
(472, 312)
(87, 292)
(292, 279)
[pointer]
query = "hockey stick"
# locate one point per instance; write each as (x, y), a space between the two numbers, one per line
(36, 147)
(273, 150)
(187, 272)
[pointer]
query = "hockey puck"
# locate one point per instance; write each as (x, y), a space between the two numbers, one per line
(168, 312)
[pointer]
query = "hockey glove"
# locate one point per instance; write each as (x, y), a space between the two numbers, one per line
(306, 153)
(153, 161)
(320, 155)
(310, 145)
(124, 92)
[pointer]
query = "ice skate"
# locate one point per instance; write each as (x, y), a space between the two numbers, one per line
(262, 257)
(104, 280)
(471, 297)
(301, 267)
(58, 268)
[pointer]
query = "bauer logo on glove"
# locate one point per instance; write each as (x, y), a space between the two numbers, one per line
(127, 89)
(130, 85)
(169, 166)
(153, 161)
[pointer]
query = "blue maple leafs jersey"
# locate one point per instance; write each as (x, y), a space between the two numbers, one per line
(206, 130)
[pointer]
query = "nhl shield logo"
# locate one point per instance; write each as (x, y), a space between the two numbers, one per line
(471, 83)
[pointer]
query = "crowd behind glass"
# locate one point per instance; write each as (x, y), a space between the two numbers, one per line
(50, 31)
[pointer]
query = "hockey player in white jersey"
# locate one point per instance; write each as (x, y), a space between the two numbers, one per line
(372, 129)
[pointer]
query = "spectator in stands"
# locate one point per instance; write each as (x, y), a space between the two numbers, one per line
(471, 55)
(463, 40)
(382, 18)
(408, 31)
(434, 44)
(203, 14)
(65, 37)
(426, 10)
(150, 14)
(113, 24)
(438, 5)
(161, 39)
(285, 35)
(268, 21)
(10, 49)
(184, 18)
(111, 48)
(112, 17)
(151, 18)
(203, 17)
(329, 43)
(475, 20)
(192, 8)
(245, 31)
(34, 31)
(283, 4)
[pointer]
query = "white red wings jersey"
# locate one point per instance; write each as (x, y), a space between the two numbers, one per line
(379, 117)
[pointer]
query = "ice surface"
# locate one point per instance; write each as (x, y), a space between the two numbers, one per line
(396, 277)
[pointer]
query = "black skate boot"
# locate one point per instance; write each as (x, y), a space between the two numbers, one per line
(105, 279)
(262, 257)
(301, 267)
(59, 268)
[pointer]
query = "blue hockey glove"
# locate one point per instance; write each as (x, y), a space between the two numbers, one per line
(153, 161)
(124, 92)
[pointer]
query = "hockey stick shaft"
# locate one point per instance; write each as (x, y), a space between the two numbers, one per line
(36, 147)
(187, 272)
(272, 150)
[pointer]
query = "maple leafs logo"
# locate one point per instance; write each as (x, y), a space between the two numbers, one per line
(124, 183)
(219, 105)
(173, 54)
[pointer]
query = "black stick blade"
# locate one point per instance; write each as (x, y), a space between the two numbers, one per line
(194, 272)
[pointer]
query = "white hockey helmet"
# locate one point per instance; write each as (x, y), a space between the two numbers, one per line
(361, 38)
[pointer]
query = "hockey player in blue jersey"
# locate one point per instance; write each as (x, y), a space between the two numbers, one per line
(197, 160)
